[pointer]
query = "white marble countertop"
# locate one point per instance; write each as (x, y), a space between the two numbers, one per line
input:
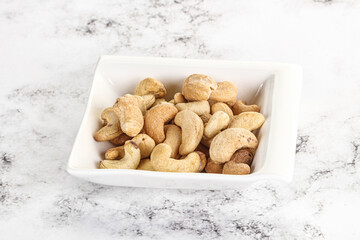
(48, 52)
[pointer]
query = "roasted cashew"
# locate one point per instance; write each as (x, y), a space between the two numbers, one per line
(155, 119)
(145, 143)
(158, 101)
(228, 141)
(179, 98)
(213, 167)
(218, 121)
(235, 168)
(173, 139)
(145, 164)
(111, 128)
(115, 153)
(203, 160)
(200, 108)
(130, 115)
(149, 100)
(240, 106)
(243, 155)
(225, 92)
(150, 86)
(192, 129)
(120, 140)
(198, 87)
(248, 120)
(130, 160)
(161, 160)
(219, 106)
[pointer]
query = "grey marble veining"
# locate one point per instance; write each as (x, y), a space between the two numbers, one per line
(49, 50)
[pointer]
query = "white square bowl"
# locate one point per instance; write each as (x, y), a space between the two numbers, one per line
(275, 87)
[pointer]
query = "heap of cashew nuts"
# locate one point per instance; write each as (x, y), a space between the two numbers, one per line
(202, 128)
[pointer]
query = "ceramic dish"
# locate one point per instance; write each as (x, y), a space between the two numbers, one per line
(275, 87)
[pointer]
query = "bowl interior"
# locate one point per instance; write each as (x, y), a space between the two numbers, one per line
(114, 78)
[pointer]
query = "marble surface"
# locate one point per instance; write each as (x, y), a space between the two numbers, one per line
(48, 52)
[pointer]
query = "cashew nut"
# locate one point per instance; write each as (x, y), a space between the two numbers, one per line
(130, 160)
(161, 160)
(218, 121)
(205, 117)
(235, 168)
(145, 165)
(240, 106)
(199, 108)
(155, 119)
(111, 128)
(115, 153)
(149, 100)
(192, 129)
(225, 92)
(203, 161)
(158, 101)
(130, 115)
(228, 141)
(198, 87)
(150, 86)
(213, 167)
(120, 140)
(179, 98)
(219, 106)
(248, 120)
(138, 99)
(145, 143)
(243, 156)
(173, 139)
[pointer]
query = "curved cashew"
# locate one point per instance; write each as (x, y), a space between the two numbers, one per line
(120, 140)
(158, 101)
(203, 160)
(213, 167)
(192, 129)
(205, 117)
(149, 100)
(138, 99)
(235, 168)
(219, 106)
(145, 165)
(115, 153)
(130, 115)
(199, 108)
(161, 160)
(240, 106)
(155, 119)
(198, 87)
(179, 98)
(218, 121)
(244, 155)
(173, 138)
(150, 86)
(248, 120)
(130, 160)
(225, 92)
(145, 143)
(228, 141)
(111, 127)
